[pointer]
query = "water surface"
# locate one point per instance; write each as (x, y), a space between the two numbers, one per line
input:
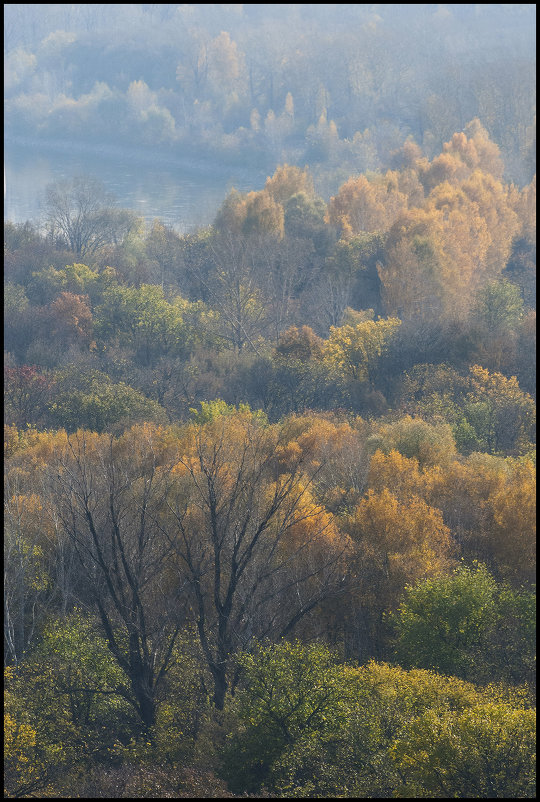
(178, 190)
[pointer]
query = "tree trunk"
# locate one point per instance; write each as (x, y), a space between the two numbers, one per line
(146, 703)
(220, 686)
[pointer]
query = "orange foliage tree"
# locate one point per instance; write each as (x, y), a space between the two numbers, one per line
(513, 534)
(367, 205)
(458, 238)
(287, 181)
(396, 542)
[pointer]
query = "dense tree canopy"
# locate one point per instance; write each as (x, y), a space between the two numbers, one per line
(270, 485)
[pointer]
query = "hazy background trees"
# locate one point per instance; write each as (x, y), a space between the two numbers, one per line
(339, 87)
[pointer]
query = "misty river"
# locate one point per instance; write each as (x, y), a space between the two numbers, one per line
(180, 191)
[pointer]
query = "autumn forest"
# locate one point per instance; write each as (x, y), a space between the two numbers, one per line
(270, 483)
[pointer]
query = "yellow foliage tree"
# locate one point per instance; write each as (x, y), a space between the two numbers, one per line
(396, 472)
(525, 208)
(253, 213)
(503, 415)
(465, 152)
(464, 242)
(513, 537)
(354, 350)
(255, 551)
(263, 214)
(36, 754)
(395, 543)
(225, 65)
(334, 452)
(490, 504)
(459, 238)
(411, 271)
(436, 257)
(406, 540)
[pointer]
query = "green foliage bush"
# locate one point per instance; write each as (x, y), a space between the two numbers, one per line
(311, 727)
(467, 625)
(104, 406)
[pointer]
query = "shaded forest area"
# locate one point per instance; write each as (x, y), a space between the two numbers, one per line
(270, 485)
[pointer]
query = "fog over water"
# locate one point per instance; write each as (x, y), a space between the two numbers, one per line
(180, 193)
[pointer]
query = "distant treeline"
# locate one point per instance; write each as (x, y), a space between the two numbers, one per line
(338, 87)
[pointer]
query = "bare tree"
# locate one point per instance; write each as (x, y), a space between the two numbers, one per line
(234, 290)
(223, 531)
(26, 593)
(257, 553)
(80, 211)
(107, 493)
